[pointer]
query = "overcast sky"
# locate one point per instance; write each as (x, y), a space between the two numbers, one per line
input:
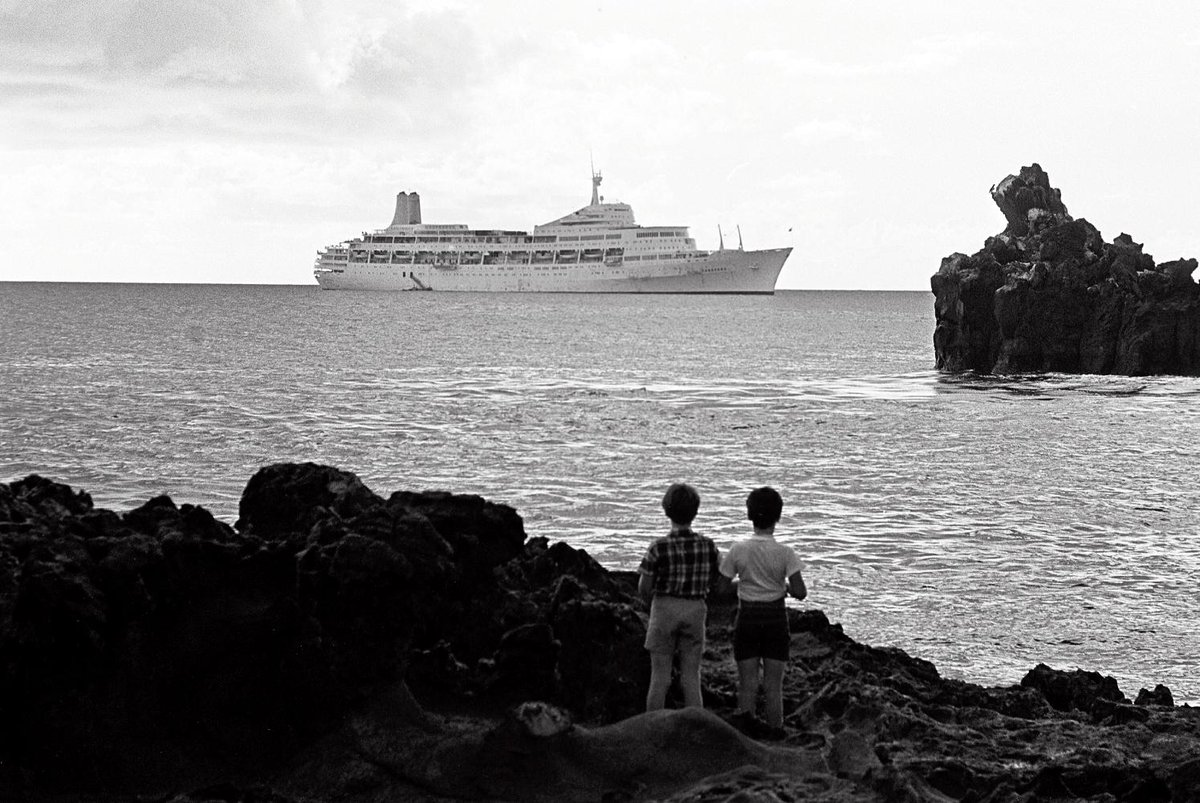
(228, 140)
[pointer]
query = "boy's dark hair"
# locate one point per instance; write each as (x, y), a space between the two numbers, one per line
(680, 503)
(764, 507)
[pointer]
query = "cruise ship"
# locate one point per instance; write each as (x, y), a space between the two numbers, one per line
(596, 249)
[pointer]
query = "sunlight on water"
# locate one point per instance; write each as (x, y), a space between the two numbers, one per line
(986, 524)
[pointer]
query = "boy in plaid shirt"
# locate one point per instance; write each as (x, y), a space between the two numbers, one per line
(676, 575)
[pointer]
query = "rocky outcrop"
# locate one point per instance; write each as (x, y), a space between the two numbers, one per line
(161, 643)
(1049, 294)
(337, 645)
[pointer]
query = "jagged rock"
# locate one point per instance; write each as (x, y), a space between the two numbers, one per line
(526, 661)
(1077, 690)
(37, 498)
(1049, 294)
(483, 535)
(1028, 198)
(290, 498)
(164, 624)
(1160, 696)
(852, 756)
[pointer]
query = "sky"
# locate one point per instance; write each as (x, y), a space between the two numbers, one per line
(226, 141)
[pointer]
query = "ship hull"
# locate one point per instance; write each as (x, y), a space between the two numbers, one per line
(726, 272)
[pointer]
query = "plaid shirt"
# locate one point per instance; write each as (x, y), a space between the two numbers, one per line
(683, 564)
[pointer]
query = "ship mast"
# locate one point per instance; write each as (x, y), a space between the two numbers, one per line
(596, 179)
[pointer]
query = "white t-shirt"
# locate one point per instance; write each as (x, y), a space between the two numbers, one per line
(762, 566)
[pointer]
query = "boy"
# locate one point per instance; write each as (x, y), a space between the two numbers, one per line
(676, 575)
(766, 572)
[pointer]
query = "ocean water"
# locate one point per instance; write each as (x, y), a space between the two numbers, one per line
(985, 524)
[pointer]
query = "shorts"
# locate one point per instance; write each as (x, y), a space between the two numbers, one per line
(676, 623)
(761, 631)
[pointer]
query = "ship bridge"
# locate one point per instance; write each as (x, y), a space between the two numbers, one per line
(593, 216)
(596, 215)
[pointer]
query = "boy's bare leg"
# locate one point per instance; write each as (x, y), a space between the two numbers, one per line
(748, 685)
(660, 680)
(689, 675)
(773, 688)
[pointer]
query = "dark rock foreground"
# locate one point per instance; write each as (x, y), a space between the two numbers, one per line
(336, 645)
(1049, 294)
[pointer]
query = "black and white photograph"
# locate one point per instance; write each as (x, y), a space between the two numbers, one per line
(696, 402)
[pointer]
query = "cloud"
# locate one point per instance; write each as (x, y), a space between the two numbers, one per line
(220, 41)
(435, 53)
(820, 131)
(929, 54)
(273, 68)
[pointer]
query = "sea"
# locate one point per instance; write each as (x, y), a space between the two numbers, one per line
(986, 524)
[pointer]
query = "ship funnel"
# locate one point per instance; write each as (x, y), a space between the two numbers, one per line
(408, 209)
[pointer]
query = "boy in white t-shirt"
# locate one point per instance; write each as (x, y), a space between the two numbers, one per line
(765, 572)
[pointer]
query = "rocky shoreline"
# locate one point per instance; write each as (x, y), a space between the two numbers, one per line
(337, 645)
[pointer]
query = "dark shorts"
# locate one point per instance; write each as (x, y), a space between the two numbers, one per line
(761, 631)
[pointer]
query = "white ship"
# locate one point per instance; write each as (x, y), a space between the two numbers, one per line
(597, 249)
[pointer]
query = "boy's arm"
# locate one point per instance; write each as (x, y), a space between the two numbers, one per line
(796, 586)
(646, 586)
(646, 573)
(722, 584)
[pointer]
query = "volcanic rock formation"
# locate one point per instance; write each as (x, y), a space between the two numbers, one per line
(1049, 294)
(335, 645)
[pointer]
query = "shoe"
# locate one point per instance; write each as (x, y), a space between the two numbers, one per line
(754, 727)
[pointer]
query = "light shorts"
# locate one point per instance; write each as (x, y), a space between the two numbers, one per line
(676, 623)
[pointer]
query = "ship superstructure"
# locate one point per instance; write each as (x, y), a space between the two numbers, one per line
(599, 248)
